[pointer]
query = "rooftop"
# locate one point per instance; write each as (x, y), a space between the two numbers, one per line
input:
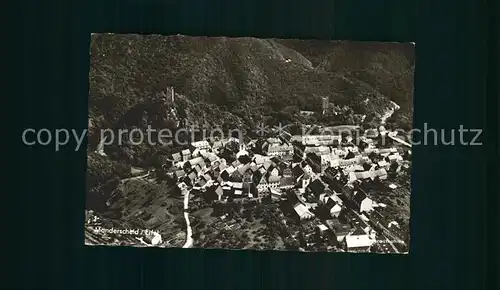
(358, 241)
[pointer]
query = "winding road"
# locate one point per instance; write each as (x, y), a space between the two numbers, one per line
(189, 230)
(136, 177)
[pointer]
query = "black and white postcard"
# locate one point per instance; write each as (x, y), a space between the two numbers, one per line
(249, 144)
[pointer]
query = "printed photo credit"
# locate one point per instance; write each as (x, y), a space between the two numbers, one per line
(249, 144)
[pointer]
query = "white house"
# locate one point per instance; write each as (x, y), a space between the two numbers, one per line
(335, 210)
(358, 241)
(317, 140)
(364, 203)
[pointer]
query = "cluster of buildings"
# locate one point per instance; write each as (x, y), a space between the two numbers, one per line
(322, 185)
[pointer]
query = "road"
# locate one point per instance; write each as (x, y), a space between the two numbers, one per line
(387, 115)
(399, 140)
(189, 230)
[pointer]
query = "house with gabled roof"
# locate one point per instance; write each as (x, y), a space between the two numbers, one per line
(304, 180)
(177, 157)
(314, 161)
(256, 177)
(273, 171)
(350, 161)
(259, 159)
(337, 199)
(206, 177)
(217, 146)
(276, 194)
(362, 201)
(201, 145)
(198, 168)
(358, 241)
(287, 182)
(238, 189)
(387, 150)
(335, 210)
(223, 164)
(247, 177)
(193, 175)
(297, 170)
(371, 174)
(254, 167)
(320, 140)
(243, 168)
(357, 168)
(276, 149)
(273, 181)
(197, 160)
(383, 164)
(236, 176)
(320, 150)
(226, 173)
(316, 187)
(307, 169)
(180, 174)
(279, 162)
(201, 182)
(395, 157)
(235, 163)
(284, 136)
(186, 154)
(267, 164)
(196, 153)
(327, 160)
(339, 152)
(250, 189)
(219, 191)
(302, 211)
(341, 230)
(262, 183)
(227, 190)
(288, 172)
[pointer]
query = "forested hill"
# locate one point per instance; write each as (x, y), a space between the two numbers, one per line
(240, 82)
(247, 77)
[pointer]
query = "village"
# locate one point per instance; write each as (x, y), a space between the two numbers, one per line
(308, 193)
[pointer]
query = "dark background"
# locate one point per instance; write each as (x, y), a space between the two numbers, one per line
(455, 189)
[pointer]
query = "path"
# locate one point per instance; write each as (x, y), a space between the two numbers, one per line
(399, 140)
(135, 177)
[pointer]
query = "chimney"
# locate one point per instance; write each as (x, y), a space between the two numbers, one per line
(172, 96)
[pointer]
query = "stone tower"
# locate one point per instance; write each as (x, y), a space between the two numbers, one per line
(172, 96)
(325, 102)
